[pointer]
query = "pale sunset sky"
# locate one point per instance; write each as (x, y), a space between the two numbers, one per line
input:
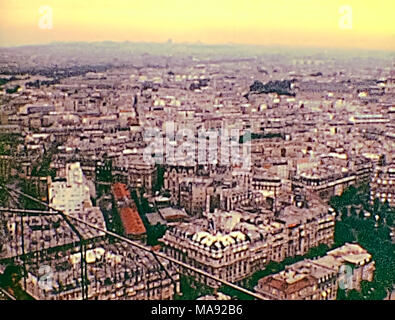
(275, 22)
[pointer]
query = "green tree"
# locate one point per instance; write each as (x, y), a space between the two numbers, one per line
(375, 239)
(341, 294)
(318, 251)
(372, 290)
(344, 212)
(361, 214)
(354, 295)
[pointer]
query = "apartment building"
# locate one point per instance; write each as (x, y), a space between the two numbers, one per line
(320, 279)
(234, 244)
(382, 185)
(70, 193)
(113, 271)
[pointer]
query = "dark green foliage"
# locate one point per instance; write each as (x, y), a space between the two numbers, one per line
(30, 188)
(277, 86)
(319, 251)
(252, 136)
(3, 81)
(116, 226)
(235, 294)
(372, 290)
(354, 295)
(3, 194)
(153, 232)
(9, 143)
(104, 171)
(191, 290)
(341, 294)
(12, 90)
(344, 212)
(10, 280)
(370, 234)
(159, 178)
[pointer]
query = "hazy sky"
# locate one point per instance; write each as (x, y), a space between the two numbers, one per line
(277, 22)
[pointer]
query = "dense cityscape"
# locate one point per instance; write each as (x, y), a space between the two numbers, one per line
(164, 171)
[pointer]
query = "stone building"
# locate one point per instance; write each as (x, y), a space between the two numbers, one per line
(320, 279)
(382, 185)
(234, 244)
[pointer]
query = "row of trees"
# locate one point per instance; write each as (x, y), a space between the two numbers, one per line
(368, 224)
(153, 232)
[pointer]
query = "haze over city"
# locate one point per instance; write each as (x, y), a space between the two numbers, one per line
(288, 23)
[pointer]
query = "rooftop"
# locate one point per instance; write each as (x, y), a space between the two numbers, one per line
(170, 214)
(120, 191)
(131, 221)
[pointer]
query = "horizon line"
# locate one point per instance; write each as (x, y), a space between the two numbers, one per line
(280, 46)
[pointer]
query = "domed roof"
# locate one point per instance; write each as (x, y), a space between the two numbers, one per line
(219, 240)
